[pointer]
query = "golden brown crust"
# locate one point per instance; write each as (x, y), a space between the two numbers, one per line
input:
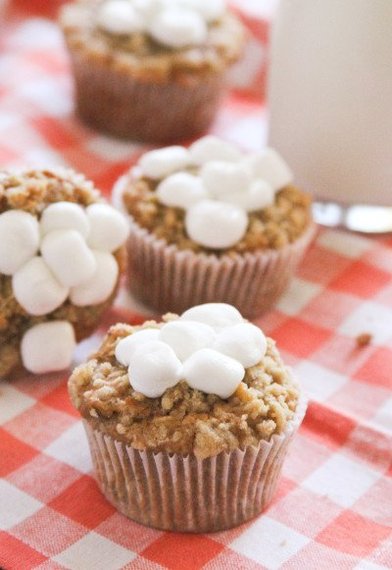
(140, 55)
(183, 420)
(271, 228)
(32, 191)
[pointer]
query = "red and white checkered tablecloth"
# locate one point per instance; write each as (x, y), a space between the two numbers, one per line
(333, 508)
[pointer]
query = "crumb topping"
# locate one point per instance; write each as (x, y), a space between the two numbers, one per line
(183, 420)
(271, 228)
(32, 191)
(144, 56)
(364, 339)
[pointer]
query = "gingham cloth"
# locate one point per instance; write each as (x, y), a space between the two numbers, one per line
(333, 508)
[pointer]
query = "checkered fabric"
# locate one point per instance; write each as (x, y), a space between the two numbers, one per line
(333, 508)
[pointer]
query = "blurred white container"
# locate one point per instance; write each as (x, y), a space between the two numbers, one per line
(330, 97)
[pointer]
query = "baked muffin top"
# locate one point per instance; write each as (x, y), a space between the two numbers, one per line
(155, 38)
(202, 383)
(61, 253)
(212, 198)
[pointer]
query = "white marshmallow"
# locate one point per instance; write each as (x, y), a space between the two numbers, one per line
(186, 337)
(216, 315)
(48, 347)
(128, 345)
(210, 148)
(244, 342)
(153, 369)
(68, 256)
(148, 8)
(158, 164)
(222, 178)
(213, 373)
(101, 284)
(177, 27)
(210, 10)
(19, 240)
(36, 289)
(216, 225)
(109, 228)
(119, 17)
(64, 216)
(258, 196)
(270, 166)
(181, 190)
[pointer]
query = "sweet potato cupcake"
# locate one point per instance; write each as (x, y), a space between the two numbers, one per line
(209, 223)
(189, 419)
(61, 255)
(150, 70)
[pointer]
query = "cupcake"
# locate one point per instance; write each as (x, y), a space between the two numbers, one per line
(210, 223)
(150, 70)
(189, 419)
(61, 255)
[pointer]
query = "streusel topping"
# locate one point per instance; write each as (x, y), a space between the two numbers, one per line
(183, 420)
(271, 228)
(32, 192)
(144, 55)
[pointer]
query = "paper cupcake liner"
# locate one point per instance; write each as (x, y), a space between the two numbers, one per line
(187, 494)
(113, 101)
(168, 279)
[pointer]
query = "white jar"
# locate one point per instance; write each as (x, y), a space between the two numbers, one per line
(330, 97)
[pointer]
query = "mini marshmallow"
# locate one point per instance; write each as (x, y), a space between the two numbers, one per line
(154, 368)
(181, 190)
(101, 284)
(19, 240)
(213, 373)
(128, 345)
(216, 225)
(109, 228)
(48, 347)
(186, 337)
(210, 10)
(64, 216)
(177, 27)
(244, 342)
(36, 289)
(258, 196)
(148, 8)
(216, 315)
(119, 17)
(68, 256)
(210, 148)
(221, 178)
(270, 166)
(158, 164)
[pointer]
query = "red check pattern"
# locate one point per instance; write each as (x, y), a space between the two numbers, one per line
(333, 508)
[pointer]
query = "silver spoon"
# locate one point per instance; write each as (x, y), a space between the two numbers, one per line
(358, 218)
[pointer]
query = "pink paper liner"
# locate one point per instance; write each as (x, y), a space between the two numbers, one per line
(168, 279)
(187, 494)
(113, 101)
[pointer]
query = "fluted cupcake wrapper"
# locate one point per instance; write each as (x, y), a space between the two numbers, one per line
(187, 494)
(119, 103)
(168, 279)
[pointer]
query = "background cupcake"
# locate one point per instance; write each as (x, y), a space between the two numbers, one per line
(61, 255)
(188, 420)
(151, 70)
(209, 223)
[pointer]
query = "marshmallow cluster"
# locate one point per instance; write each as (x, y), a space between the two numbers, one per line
(68, 253)
(228, 185)
(172, 23)
(209, 347)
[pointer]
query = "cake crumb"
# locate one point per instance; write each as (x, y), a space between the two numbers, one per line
(363, 339)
